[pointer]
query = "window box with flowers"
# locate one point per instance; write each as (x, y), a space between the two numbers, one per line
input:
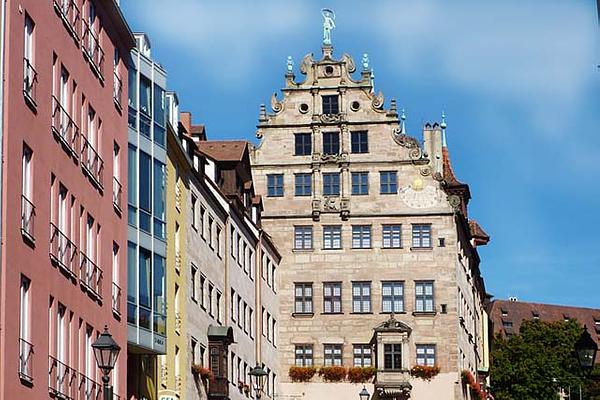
(425, 372)
(477, 392)
(204, 373)
(361, 374)
(301, 374)
(333, 373)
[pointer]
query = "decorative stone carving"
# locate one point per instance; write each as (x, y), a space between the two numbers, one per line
(350, 65)
(316, 209)
(419, 197)
(306, 63)
(425, 171)
(454, 201)
(404, 140)
(331, 118)
(377, 102)
(276, 106)
(345, 208)
(331, 204)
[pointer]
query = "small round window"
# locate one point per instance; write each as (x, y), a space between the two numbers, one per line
(354, 106)
(329, 70)
(303, 108)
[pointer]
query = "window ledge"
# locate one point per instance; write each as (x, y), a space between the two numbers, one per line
(332, 313)
(303, 250)
(421, 248)
(362, 312)
(391, 248)
(424, 313)
(337, 248)
(302, 315)
(395, 312)
(362, 248)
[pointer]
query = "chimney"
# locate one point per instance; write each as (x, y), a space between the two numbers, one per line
(185, 117)
(432, 138)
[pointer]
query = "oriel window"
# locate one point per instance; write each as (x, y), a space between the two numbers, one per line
(392, 356)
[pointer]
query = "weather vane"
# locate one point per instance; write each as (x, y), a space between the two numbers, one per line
(328, 24)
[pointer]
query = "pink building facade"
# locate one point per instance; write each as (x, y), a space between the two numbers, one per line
(64, 145)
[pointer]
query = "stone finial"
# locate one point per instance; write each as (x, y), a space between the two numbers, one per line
(290, 65)
(262, 116)
(365, 62)
(443, 125)
(393, 106)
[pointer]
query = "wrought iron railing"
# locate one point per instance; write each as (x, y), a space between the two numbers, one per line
(64, 127)
(92, 49)
(89, 389)
(116, 299)
(62, 250)
(90, 275)
(61, 379)
(27, 217)
(69, 13)
(30, 78)
(117, 89)
(25, 360)
(91, 161)
(117, 193)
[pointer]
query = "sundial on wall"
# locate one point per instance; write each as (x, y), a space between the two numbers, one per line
(416, 195)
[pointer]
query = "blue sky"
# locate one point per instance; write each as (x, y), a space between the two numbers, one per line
(517, 79)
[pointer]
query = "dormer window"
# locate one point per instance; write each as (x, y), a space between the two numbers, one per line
(330, 104)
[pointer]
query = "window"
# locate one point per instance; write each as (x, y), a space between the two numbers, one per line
(388, 184)
(202, 292)
(360, 183)
(303, 184)
(116, 290)
(392, 356)
(424, 296)
(392, 296)
(275, 185)
(29, 73)
(303, 237)
(507, 324)
(211, 289)
(145, 191)
(363, 356)
(392, 236)
(330, 104)
(159, 116)
(426, 354)
(159, 199)
(193, 283)
(218, 306)
(303, 144)
(303, 298)
(332, 297)
(331, 184)
(332, 354)
(25, 347)
(132, 177)
(421, 236)
(194, 201)
(27, 207)
(332, 237)
(193, 346)
(202, 214)
(331, 143)
(304, 355)
(361, 236)
(359, 142)
(361, 297)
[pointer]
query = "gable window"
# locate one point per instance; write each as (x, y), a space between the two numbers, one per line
(303, 237)
(332, 354)
(304, 355)
(303, 144)
(363, 356)
(303, 298)
(332, 237)
(388, 182)
(330, 104)
(392, 356)
(424, 296)
(392, 236)
(421, 236)
(360, 183)
(392, 296)
(331, 143)
(331, 184)
(332, 297)
(426, 354)
(275, 185)
(361, 297)
(361, 236)
(303, 185)
(359, 142)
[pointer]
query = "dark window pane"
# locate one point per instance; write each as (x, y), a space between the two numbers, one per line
(360, 183)
(359, 142)
(303, 144)
(388, 182)
(330, 104)
(331, 184)
(331, 143)
(275, 185)
(303, 184)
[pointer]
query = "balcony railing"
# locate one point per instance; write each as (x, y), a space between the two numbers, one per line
(90, 276)
(30, 78)
(89, 389)
(117, 194)
(64, 127)
(27, 218)
(91, 161)
(62, 250)
(61, 381)
(116, 299)
(92, 49)
(25, 360)
(117, 89)
(69, 13)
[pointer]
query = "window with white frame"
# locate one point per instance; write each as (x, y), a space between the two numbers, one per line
(392, 296)
(303, 237)
(303, 298)
(361, 236)
(426, 354)
(361, 297)
(363, 356)
(332, 354)
(332, 237)
(424, 300)
(392, 236)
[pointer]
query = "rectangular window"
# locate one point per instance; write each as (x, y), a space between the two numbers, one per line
(361, 297)
(330, 104)
(332, 237)
(388, 182)
(332, 354)
(275, 185)
(424, 296)
(145, 191)
(159, 199)
(132, 177)
(426, 354)
(232, 302)
(303, 184)
(29, 73)
(331, 184)
(218, 306)
(359, 142)
(193, 282)
(360, 183)
(303, 237)
(201, 294)
(332, 297)
(392, 296)
(303, 144)
(303, 298)
(361, 236)
(193, 216)
(159, 116)
(363, 356)
(421, 236)
(304, 355)
(145, 95)
(391, 236)
(27, 207)
(392, 356)
(211, 289)
(331, 143)
(25, 346)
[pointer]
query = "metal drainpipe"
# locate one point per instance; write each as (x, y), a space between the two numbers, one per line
(2, 45)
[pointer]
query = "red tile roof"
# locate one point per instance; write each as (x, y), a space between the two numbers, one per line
(477, 233)
(224, 150)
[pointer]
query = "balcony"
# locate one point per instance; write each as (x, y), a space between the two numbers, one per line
(62, 251)
(218, 388)
(91, 162)
(30, 78)
(69, 13)
(90, 44)
(91, 276)
(117, 194)
(64, 128)
(117, 90)
(61, 380)
(27, 219)
(25, 360)
(89, 389)
(116, 299)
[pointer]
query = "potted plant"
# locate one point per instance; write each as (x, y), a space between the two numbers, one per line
(425, 372)
(301, 374)
(204, 373)
(361, 374)
(333, 373)
(474, 387)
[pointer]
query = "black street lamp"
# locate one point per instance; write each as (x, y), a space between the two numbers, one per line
(364, 394)
(257, 376)
(586, 349)
(106, 351)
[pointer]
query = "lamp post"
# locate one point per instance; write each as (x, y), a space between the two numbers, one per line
(106, 351)
(257, 377)
(364, 394)
(586, 349)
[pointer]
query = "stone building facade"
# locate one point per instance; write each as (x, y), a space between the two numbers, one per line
(379, 258)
